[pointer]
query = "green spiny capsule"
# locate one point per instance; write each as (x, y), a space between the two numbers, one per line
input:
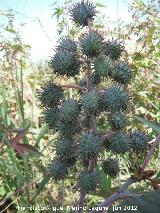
(88, 181)
(57, 170)
(115, 99)
(90, 102)
(118, 120)
(50, 95)
(65, 63)
(90, 146)
(51, 118)
(66, 44)
(70, 110)
(119, 143)
(122, 73)
(92, 44)
(110, 167)
(68, 129)
(113, 49)
(103, 66)
(65, 149)
(82, 11)
(138, 141)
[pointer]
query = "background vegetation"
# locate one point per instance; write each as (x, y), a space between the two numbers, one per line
(26, 145)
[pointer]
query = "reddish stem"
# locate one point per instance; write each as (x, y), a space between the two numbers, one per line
(150, 153)
(73, 86)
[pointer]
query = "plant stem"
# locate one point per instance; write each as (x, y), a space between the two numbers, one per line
(92, 121)
(74, 86)
(150, 153)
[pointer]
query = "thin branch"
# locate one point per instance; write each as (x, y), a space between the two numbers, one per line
(116, 196)
(73, 86)
(150, 153)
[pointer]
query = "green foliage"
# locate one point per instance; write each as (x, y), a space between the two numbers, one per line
(122, 73)
(82, 11)
(115, 98)
(70, 110)
(154, 126)
(103, 66)
(119, 143)
(90, 146)
(118, 120)
(50, 95)
(88, 181)
(92, 44)
(110, 167)
(57, 170)
(138, 141)
(65, 63)
(113, 49)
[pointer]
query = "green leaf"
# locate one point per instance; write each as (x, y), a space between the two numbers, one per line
(150, 124)
(105, 184)
(43, 131)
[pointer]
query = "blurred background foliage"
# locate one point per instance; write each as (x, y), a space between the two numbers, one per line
(26, 145)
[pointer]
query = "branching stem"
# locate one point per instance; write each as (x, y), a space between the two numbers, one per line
(119, 194)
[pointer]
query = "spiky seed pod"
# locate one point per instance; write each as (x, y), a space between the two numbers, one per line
(65, 149)
(90, 146)
(118, 120)
(90, 102)
(57, 170)
(92, 44)
(110, 167)
(70, 110)
(82, 11)
(51, 118)
(138, 141)
(119, 143)
(68, 129)
(103, 66)
(66, 44)
(122, 73)
(113, 49)
(65, 63)
(50, 95)
(88, 181)
(115, 98)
